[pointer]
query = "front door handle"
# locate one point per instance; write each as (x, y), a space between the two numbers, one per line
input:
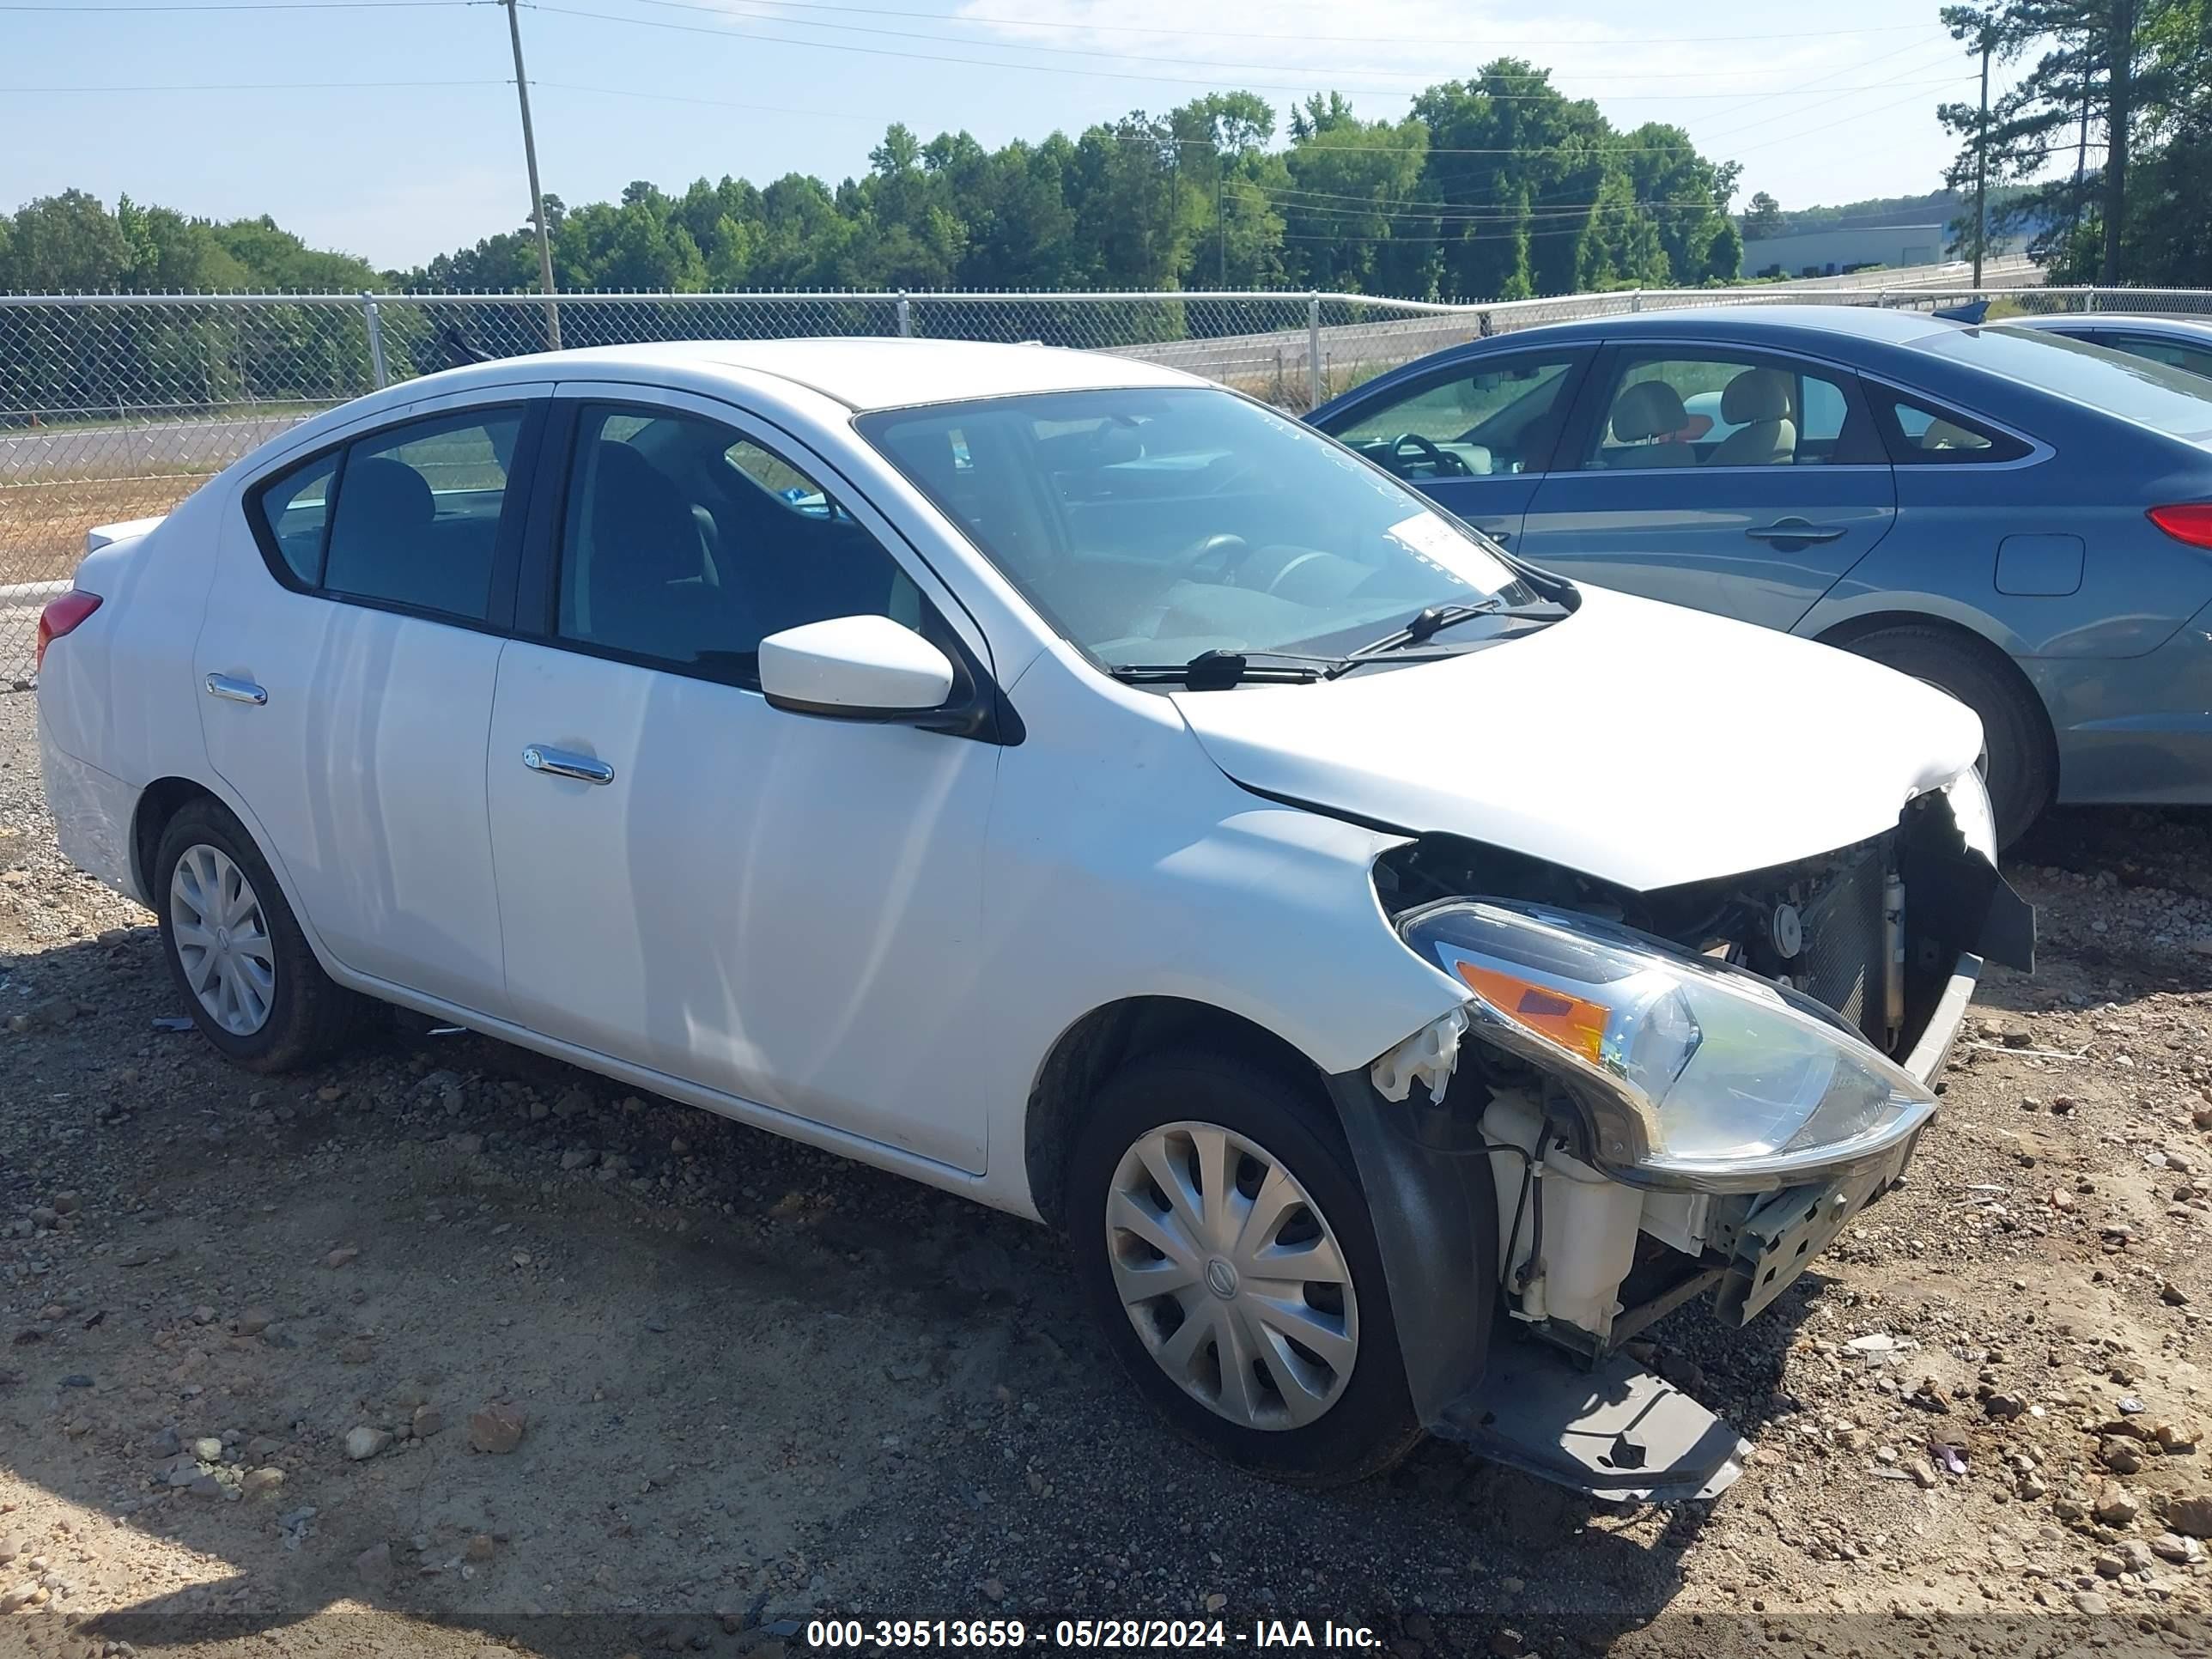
(564, 764)
(231, 688)
(1796, 530)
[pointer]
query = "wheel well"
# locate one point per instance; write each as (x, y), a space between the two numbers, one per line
(1106, 1039)
(163, 799)
(1845, 634)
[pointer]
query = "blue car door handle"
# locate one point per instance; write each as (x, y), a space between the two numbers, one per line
(1796, 530)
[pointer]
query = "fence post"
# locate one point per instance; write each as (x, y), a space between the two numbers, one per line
(375, 340)
(1882, 299)
(2089, 299)
(905, 317)
(1636, 300)
(1313, 351)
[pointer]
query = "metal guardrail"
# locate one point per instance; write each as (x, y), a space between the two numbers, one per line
(114, 407)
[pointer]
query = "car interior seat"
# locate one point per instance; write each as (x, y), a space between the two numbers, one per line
(1645, 411)
(643, 581)
(1757, 404)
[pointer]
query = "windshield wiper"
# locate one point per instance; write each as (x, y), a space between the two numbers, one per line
(1435, 618)
(1216, 669)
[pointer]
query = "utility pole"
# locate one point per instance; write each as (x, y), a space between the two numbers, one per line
(1981, 164)
(537, 196)
(1220, 224)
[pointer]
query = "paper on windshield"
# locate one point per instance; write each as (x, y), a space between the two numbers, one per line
(1442, 547)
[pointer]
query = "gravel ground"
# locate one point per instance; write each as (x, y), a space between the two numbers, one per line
(446, 1349)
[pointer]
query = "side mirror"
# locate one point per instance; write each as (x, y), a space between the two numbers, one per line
(856, 668)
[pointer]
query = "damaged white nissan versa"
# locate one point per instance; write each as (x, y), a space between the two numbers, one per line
(1401, 973)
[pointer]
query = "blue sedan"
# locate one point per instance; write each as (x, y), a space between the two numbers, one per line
(2020, 517)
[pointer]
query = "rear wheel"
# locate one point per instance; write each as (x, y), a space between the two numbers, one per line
(249, 979)
(1224, 1245)
(2016, 753)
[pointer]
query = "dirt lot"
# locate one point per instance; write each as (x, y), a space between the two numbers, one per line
(755, 1384)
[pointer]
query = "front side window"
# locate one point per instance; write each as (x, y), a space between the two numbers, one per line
(1152, 524)
(409, 516)
(1721, 412)
(686, 544)
(1475, 422)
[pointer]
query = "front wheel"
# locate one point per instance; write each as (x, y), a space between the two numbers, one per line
(1223, 1243)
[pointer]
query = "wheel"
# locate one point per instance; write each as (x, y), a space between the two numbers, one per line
(1223, 1243)
(2016, 752)
(252, 983)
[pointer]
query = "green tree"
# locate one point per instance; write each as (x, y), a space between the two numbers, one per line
(1763, 218)
(2133, 70)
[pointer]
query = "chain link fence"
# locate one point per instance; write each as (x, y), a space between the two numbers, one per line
(115, 407)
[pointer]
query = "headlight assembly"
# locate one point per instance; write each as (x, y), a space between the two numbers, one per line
(1698, 1075)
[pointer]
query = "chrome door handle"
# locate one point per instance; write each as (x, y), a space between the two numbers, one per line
(232, 690)
(562, 763)
(1796, 530)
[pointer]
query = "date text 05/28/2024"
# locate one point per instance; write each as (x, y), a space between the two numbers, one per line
(1108, 1634)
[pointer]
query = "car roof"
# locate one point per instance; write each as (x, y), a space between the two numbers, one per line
(1747, 321)
(867, 372)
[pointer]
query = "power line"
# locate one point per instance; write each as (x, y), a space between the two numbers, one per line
(1149, 31)
(1240, 84)
(247, 5)
(710, 103)
(252, 85)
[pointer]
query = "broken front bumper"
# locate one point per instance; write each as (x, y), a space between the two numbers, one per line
(1783, 1234)
(1598, 1421)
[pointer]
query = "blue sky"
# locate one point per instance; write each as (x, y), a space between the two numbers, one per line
(1820, 104)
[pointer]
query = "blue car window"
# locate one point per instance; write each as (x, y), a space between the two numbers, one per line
(1720, 411)
(1924, 434)
(1487, 418)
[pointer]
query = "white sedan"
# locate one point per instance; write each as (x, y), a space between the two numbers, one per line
(1076, 785)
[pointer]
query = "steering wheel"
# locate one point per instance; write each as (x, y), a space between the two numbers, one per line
(1447, 464)
(1230, 548)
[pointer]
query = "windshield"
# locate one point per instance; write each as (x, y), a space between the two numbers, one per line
(2167, 399)
(1151, 524)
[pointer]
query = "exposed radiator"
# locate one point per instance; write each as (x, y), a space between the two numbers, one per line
(1846, 944)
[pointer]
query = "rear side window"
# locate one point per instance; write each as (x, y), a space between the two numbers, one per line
(1726, 411)
(1927, 435)
(409, 516)
(418, 513)
(294, 514)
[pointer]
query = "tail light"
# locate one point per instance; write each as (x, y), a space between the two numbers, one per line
(62, 616)
(2190, 521)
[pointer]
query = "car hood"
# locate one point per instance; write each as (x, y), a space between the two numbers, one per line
(1639, 742)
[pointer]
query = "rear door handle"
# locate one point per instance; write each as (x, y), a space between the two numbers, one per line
(565, 763)
(1796, 530)
(232, 690)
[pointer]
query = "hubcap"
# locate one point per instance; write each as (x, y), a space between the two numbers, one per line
(223, 939)
(1231, 1275)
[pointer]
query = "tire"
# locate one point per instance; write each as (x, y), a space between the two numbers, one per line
(281, 1010)
(1312, 1417)
(2016, 756)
